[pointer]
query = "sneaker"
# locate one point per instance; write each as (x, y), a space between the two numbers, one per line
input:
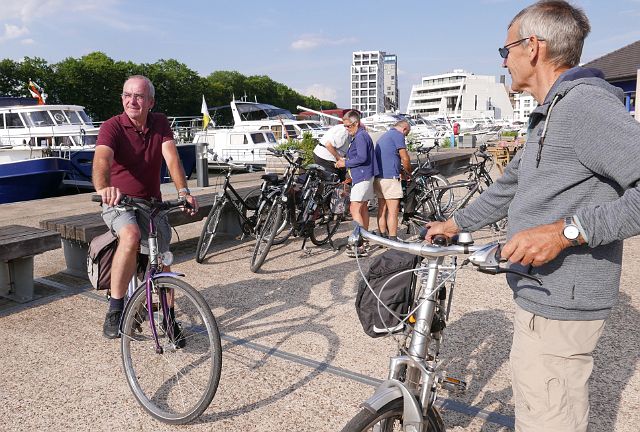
(111, 327)
(176, 337)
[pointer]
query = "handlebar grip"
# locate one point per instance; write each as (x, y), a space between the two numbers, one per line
(96, 198)
(440, 240)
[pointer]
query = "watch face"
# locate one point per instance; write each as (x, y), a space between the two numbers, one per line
(571, 232)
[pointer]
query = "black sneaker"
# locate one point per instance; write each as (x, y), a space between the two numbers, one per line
(176, 337)
(111, 327)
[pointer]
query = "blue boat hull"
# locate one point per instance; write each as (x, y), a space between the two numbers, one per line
(32, 179)
(82, 163)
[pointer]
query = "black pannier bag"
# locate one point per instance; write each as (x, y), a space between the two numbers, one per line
(411, 198)
(397, 295)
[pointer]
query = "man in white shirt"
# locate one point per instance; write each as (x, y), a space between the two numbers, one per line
(333, 146)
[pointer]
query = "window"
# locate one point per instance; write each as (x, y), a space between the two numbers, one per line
(14, 121)
(258, 137)
(291, 131)
(270, 137)
(237, 139)
(37, 119)
(75, 119)
(277, 131)
(1, 121)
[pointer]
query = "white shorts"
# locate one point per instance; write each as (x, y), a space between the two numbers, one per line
(362, 191)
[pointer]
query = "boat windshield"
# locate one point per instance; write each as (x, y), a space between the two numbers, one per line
(85, 118)
(76, 117)
(59, 117)
(37, 118)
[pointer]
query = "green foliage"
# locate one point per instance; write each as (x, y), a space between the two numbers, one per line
(305, 145)
(509, 133)
(445, 143)
(95, 81)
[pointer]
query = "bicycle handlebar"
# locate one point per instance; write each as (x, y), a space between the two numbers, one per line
(138, 202)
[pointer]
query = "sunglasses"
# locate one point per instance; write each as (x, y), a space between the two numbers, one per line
(348, 125)
(504, 51)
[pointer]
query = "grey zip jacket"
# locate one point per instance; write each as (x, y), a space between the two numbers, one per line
(588, 165)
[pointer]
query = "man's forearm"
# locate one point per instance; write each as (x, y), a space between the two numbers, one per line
(101, 175)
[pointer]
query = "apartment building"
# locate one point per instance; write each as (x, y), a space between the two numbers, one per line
(523, 103)
(368, 84)
(460, 94)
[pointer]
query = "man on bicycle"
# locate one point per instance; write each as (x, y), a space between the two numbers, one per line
(128, 158)
(572, 196)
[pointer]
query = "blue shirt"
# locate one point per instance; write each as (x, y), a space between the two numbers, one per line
(387, 155)
(361, 157)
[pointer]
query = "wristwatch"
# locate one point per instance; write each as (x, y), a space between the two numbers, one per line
(571, 231)
(184, 191)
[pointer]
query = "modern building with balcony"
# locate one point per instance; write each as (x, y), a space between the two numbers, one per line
(368, 72)
(524, 103)
(461, 94)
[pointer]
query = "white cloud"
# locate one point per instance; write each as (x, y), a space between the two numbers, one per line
(28, 41)
(309, 42)
(14, 32)
(321, 91)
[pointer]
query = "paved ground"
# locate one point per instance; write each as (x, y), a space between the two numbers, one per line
(295, 357)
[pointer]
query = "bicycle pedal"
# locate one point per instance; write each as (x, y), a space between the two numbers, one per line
(454, 384)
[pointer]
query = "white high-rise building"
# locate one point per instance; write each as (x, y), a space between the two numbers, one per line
(460, 94)
(368, 81)
(524, 104)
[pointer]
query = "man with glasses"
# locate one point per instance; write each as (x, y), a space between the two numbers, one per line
(127, 160)
(360, 161)
(572, 197)
(392, 159)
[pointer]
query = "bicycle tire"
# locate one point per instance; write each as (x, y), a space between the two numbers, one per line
(209, 230)
(285, 229)
(177, 385)
(326, 225)
(251, 199)
(389, 418)
(264, 239)
(445, 197)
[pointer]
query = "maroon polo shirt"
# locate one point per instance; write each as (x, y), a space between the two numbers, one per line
(137, 157)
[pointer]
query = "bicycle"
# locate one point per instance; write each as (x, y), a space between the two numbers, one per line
(407, 399)
(308, 215)
(430, 176)
(173, 363)
(248, 209)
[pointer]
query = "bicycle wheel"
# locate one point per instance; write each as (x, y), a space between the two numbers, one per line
(389, 418)
(264, 239)
(325, 225)
(251, 199)
(284, 230)
(178, 384)
(445, 196)
(209, 230)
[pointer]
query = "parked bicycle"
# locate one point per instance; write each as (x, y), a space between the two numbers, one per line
(247, 209)
(406, 401)
(305, 209)
(173, 361)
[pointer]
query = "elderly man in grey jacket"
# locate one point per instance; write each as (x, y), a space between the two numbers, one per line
(571, 197)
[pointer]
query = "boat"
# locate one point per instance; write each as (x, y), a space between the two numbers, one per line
(242, 131)
(30, 129)
(423, 133)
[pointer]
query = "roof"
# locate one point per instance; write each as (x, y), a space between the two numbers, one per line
(620, 64)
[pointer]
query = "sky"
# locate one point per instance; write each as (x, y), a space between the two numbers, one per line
(305, 45)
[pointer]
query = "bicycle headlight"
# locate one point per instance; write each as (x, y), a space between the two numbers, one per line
(167, 258)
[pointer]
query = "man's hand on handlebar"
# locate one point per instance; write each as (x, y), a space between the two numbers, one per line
(110, 195)
(191, 205)
(447, 229)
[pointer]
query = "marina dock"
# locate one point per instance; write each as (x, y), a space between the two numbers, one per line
(294, 355)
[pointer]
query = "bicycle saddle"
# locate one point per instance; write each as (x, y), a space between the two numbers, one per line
(427, 172)
(270, 178)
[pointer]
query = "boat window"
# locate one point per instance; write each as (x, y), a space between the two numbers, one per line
(277, 131)
(73, 116)
(59, 117)
(270, 137)
(37, 119)
(1, 121)
(237, 139)
(85, 118)
(303, 126)
(291, 131)
(257, 137)
(14, 121)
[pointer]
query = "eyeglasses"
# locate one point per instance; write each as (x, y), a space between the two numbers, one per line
(136, 96)
(348, 125)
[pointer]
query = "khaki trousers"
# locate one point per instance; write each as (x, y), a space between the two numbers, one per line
(551, 363)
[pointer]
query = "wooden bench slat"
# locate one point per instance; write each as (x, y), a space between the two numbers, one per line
(17, 241)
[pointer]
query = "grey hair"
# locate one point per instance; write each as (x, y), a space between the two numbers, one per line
(562, 26)
(352, 115)
(402, 123)
(150, 87)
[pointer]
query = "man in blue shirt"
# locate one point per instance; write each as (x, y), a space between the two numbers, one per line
(392, 158)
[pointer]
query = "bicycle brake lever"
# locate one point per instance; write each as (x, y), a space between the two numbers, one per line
(497, 270)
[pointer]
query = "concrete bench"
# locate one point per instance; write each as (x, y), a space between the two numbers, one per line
(77, 231)
(18, 245)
